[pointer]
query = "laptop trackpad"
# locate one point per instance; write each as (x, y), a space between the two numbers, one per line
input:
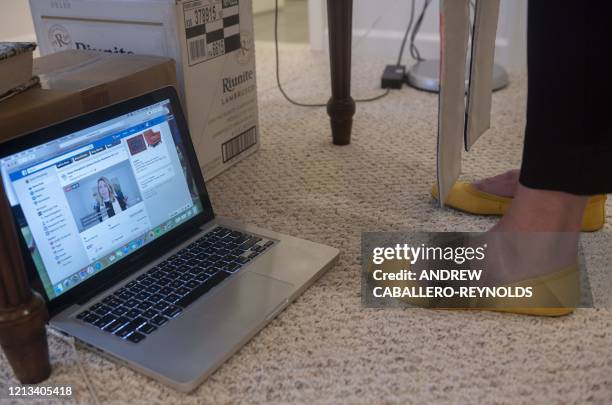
(218, 325)
(251, 297)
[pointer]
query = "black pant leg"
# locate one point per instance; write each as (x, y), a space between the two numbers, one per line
(568, 137)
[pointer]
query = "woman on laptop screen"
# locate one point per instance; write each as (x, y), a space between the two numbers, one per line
(109, 202)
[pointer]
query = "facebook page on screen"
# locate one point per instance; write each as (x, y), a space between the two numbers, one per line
(89, 199)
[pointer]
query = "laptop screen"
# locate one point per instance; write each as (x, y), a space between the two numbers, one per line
(89, 199)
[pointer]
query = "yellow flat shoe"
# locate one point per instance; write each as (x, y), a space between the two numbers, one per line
(554, 294)
(466, 197)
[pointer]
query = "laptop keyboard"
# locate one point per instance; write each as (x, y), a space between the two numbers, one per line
(163, 292)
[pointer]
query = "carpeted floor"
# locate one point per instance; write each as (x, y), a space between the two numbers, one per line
(327, 348)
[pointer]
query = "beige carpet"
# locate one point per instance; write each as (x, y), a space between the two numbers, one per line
(327, 348)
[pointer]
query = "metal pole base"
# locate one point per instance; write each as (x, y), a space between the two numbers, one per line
(425, 76)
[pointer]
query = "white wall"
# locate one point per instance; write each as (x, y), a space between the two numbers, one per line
(379, 26)
(265, 6)
(16, 21)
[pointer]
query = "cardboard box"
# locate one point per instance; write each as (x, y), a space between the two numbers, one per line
(75, 82)
(211, 41)
(15, 65)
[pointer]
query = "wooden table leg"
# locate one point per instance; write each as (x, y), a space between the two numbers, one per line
(23, 314)
(341, 107)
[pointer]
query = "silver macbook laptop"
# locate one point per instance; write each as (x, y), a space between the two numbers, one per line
(121, 239)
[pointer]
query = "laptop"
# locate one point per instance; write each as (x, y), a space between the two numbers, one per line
(120, 237)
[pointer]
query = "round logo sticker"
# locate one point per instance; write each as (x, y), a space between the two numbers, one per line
(59, 37)
(246, 47)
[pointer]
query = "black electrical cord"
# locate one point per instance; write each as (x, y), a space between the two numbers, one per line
(278, 82)
(401, 52)
(414, 50)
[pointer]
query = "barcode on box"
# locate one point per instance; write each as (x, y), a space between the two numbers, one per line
(239, 144)
(197, 49)
(212, 28)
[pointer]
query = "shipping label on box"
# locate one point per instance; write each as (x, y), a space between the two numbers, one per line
(211, 42)
(212, 28)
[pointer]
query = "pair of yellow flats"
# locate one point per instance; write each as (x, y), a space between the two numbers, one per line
(466, 197)
(563, 285)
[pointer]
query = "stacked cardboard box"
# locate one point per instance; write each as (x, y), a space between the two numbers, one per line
(16, 68)
(75, 82)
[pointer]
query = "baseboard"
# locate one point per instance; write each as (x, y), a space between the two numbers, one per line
(384, 44)
(266, 6)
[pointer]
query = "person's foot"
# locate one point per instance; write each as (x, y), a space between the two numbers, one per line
(526, 264)
(503, 185)
(542, 230)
